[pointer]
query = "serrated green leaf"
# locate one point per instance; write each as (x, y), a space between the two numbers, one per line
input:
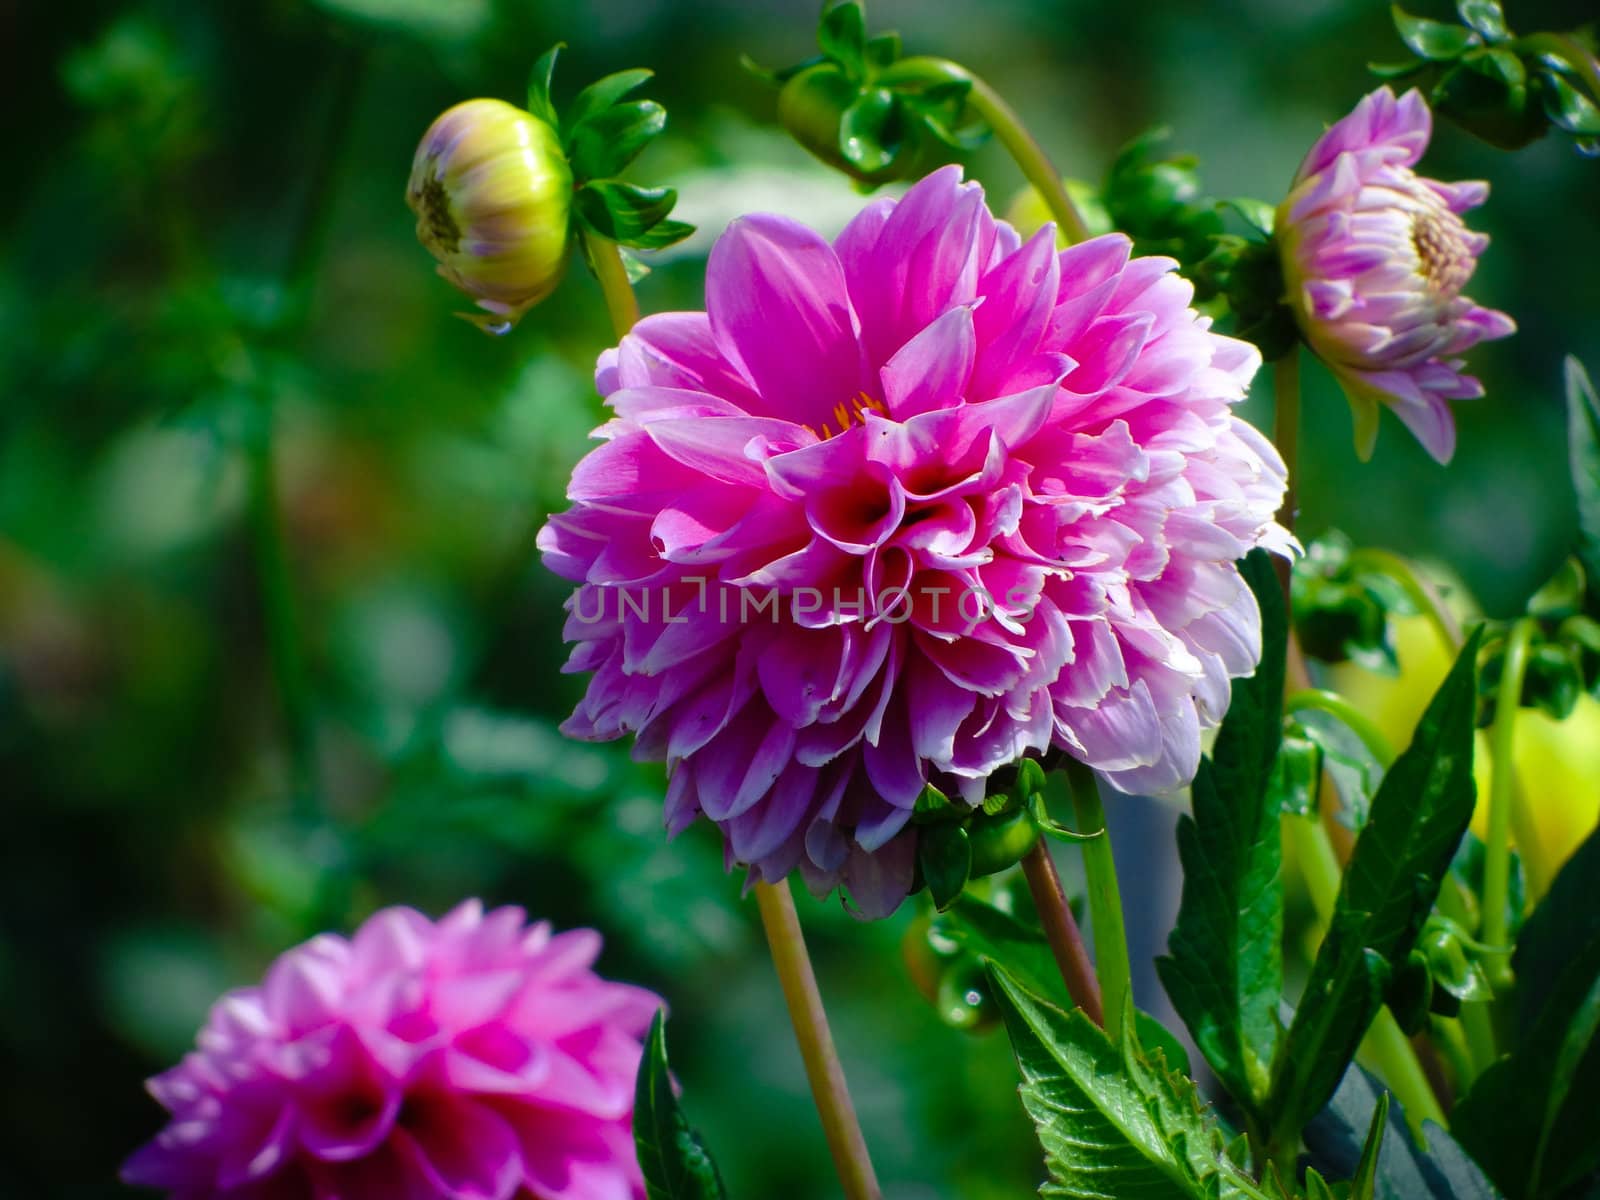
(1418, 819)
(1225, 970)
(1113, 1124)
(604, 92)
(603, 144)
(539, 102)
(672, 1158)
(1583, 456)
(842, 36)
(1485, 16)
(621, 211)
(1568, 107)
(1432, 40)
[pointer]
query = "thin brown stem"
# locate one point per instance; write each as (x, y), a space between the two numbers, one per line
(1061, 931)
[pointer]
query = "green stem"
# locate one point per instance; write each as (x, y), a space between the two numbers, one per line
(1105, 898)
(1384, 1045)
(1536, 867)
(823, 1070)
(1286, 429)
(1009, 130)
(1417, 590)
(1061, 931)
(1349, 715)
(283, 627)
(1502, 777)
(621, 303)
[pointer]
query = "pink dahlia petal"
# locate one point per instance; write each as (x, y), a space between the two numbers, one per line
(418, 1061)
(1375, 258)
(956, 500)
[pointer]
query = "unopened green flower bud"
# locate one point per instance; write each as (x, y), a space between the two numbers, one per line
(493, 196)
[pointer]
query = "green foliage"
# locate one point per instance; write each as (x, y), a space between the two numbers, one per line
(1114, 1122)
(1338, 1138)
(1225, 970)
(1529, 1118)
(1583, 448)
(1342, 606)
(675, 1163)
(1417, 821)
(1506, 90)
(864, 110)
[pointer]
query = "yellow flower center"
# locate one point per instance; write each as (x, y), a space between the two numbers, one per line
(1443, 255)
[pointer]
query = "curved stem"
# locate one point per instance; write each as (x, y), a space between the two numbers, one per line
(1105, 899)
(1349, 715)
(1061, 931)
(1385, 1044)
(1502, 778)
(621, 303)
(1417, 590)
(823, 1070)
(1009, 130)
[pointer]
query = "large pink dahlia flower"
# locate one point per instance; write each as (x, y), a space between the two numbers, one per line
(1375, 257)
(902, 509)
(476, 1058)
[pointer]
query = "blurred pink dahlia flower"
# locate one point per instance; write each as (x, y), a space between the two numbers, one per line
(476, 1058)
(1375, 257)
(901, 510)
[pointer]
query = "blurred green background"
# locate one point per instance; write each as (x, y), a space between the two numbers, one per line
(204, 237)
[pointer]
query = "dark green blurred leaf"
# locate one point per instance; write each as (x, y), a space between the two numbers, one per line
(425, 19)
(1568, 107)
(883, 49)
(1583, 451)
(1529, 1118)
(1225, 968)
(1417, 821)
(1430, 39)
(674, 1161)
(603, 144)
(945, 857)
(1485, 16)
(1566, 920)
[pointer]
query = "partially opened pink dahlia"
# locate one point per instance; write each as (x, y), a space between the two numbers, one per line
(476, 1058)
(903, 509)
(1375, 257)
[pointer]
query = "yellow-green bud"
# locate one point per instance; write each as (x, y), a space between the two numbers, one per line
(493, 197)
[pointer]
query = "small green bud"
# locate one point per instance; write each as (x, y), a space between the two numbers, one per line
(492, 192)
(1000, 842)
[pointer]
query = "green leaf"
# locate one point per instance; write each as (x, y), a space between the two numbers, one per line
(1225, 970)
(1394, 70)
(1566, 919)
(1529, 1118)
(1568, 107)
(1418, 818)
(602, 145)
(1583, 451)
(842, 36)
(1297, 775)
(664, 233)
(868, 130)
(623, 212)
(1486, 17)
(883, 49)
(604, 92)
(1431, 39)
(1113, 1124)
(1366, 1176)
(1404, 1171)
(674, 1161)
(539, 102)
(945, 856)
